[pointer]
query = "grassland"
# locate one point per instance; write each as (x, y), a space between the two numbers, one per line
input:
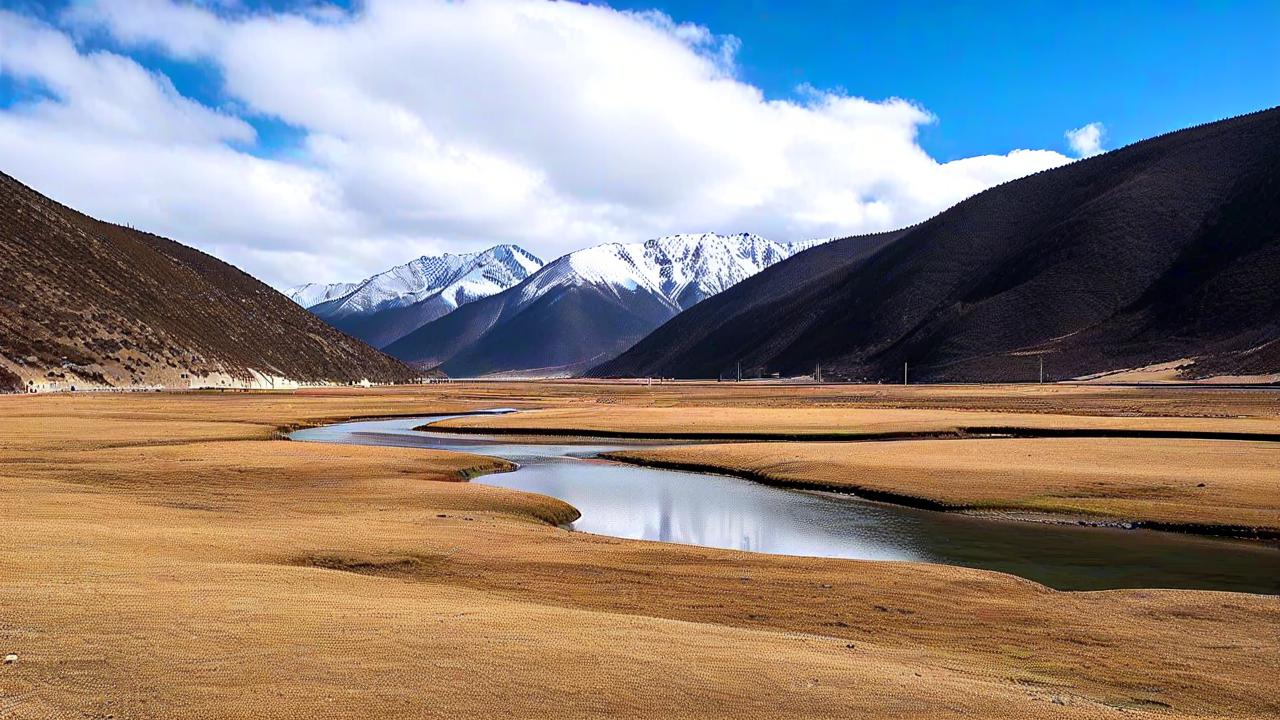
(168, 556)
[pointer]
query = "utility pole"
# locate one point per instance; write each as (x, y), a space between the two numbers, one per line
(817, 373)
(904, 373)
(739, 371)
(1041, 369)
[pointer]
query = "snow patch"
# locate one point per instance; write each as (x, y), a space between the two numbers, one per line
(311, 294)
(680, 270)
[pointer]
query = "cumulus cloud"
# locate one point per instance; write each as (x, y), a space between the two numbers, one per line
(1087, 141)
(433, 125)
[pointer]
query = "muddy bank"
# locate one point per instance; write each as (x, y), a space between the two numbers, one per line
(975, 432)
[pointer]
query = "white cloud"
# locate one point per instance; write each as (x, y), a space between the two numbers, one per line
(185, 30)
(434, 125)
(104, 94)
(1087, 141)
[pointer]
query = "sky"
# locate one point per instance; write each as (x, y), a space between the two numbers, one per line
(316, 141)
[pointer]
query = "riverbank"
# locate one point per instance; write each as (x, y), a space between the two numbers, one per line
(161, 555)
(826, 424)
(631, 501)
(1207, 471)
(1206, 487)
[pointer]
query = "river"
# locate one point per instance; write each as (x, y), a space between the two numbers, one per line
(641, 503)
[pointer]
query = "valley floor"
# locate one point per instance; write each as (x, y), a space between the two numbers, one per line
(168, 555)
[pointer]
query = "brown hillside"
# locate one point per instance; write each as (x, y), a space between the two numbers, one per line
(1165, 251)
(84, 301)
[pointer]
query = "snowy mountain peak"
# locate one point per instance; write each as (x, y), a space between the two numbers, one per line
(681, 270)
(312, 294)
(587, 306)
(514, 256)
(455, 279)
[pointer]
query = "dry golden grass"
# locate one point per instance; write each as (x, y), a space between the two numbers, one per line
(161, 556)
(854, 421)
(1181, 482)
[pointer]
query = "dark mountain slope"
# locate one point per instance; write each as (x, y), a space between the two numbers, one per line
(440, 339)
(385, 325)
(88, 301)
(562, 331)
(1163, 250)
(726, 323)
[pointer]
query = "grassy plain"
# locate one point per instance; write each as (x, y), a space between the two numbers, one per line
(168, 556)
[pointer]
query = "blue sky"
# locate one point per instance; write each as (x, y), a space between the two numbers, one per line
(1013, 74)
(307, 141)
(997, 75)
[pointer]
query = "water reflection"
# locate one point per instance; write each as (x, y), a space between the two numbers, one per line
(711, 510)
(718, 511)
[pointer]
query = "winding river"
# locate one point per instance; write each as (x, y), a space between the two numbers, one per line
(719, 511)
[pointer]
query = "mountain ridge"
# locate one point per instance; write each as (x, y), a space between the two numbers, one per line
(310, 294)
(1088, 266)
(388, 305)
(587, 304)
(86, 303)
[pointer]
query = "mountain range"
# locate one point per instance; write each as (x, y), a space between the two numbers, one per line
(85, 303)
(1163, 252)
(389, 305)
(1160, 257)
(587, 306)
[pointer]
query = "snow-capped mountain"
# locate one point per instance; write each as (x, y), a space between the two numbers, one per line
(586, 306)
(390, 304)
(312, 294)
(456, 279)
(680, 269)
